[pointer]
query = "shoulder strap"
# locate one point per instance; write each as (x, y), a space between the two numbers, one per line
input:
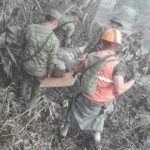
(103, 59)
(63, 25)
(39, 50)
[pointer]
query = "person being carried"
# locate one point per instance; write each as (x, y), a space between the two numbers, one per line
(40, 53)
(89, 110)
(68, 60)
(66, 27)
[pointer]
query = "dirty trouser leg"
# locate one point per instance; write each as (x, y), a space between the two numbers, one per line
(97, 134)
(25, 86)
(36, 92)
(108, 108)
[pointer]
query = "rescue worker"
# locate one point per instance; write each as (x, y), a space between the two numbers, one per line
(66, 27)
(115, 23)
(88, 112)
(40, 54)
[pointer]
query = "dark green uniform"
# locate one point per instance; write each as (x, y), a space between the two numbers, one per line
(65, 30)
(37, 61)
(40, 64)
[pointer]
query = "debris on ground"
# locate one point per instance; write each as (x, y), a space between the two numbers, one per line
(37, 128)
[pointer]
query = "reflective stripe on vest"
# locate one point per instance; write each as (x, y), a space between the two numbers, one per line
(105, 79)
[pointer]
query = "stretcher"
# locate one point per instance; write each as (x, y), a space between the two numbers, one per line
(65, 81)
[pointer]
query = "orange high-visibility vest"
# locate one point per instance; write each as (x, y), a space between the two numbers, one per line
(105, 91)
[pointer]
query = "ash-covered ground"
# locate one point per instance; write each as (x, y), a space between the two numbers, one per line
(37, 128)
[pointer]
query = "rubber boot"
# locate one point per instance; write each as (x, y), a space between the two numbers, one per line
(64, 130)
(97, 137)
(97, 140)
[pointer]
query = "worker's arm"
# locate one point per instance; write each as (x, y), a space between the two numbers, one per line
(120, 85)
(118, 79)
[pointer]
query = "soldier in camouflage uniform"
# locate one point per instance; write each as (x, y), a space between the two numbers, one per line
(66, 27)
(40, 54)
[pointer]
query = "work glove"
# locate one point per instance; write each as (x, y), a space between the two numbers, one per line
(136, 76)
(75, 74)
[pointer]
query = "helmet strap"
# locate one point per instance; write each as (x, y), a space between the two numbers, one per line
(112, 45)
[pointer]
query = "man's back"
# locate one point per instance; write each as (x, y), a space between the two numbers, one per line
(36, 35)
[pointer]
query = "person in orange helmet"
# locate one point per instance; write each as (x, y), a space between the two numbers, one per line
(89, 111)
(115, 23)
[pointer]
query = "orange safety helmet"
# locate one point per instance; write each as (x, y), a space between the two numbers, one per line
(113, 36)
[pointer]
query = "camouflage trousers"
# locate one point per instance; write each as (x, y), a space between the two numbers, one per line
(88, 115)
(30, 88)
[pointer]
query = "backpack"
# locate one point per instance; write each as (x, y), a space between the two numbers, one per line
(90, 75)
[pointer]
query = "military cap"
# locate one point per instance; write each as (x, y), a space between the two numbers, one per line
(116, 20)
(54, 13)
(77, 12)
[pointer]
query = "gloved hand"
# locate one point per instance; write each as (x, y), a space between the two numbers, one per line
(136, 76)
(75, 74)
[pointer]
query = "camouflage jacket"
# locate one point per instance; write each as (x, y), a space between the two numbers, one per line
(40, 64)
(66, 23)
